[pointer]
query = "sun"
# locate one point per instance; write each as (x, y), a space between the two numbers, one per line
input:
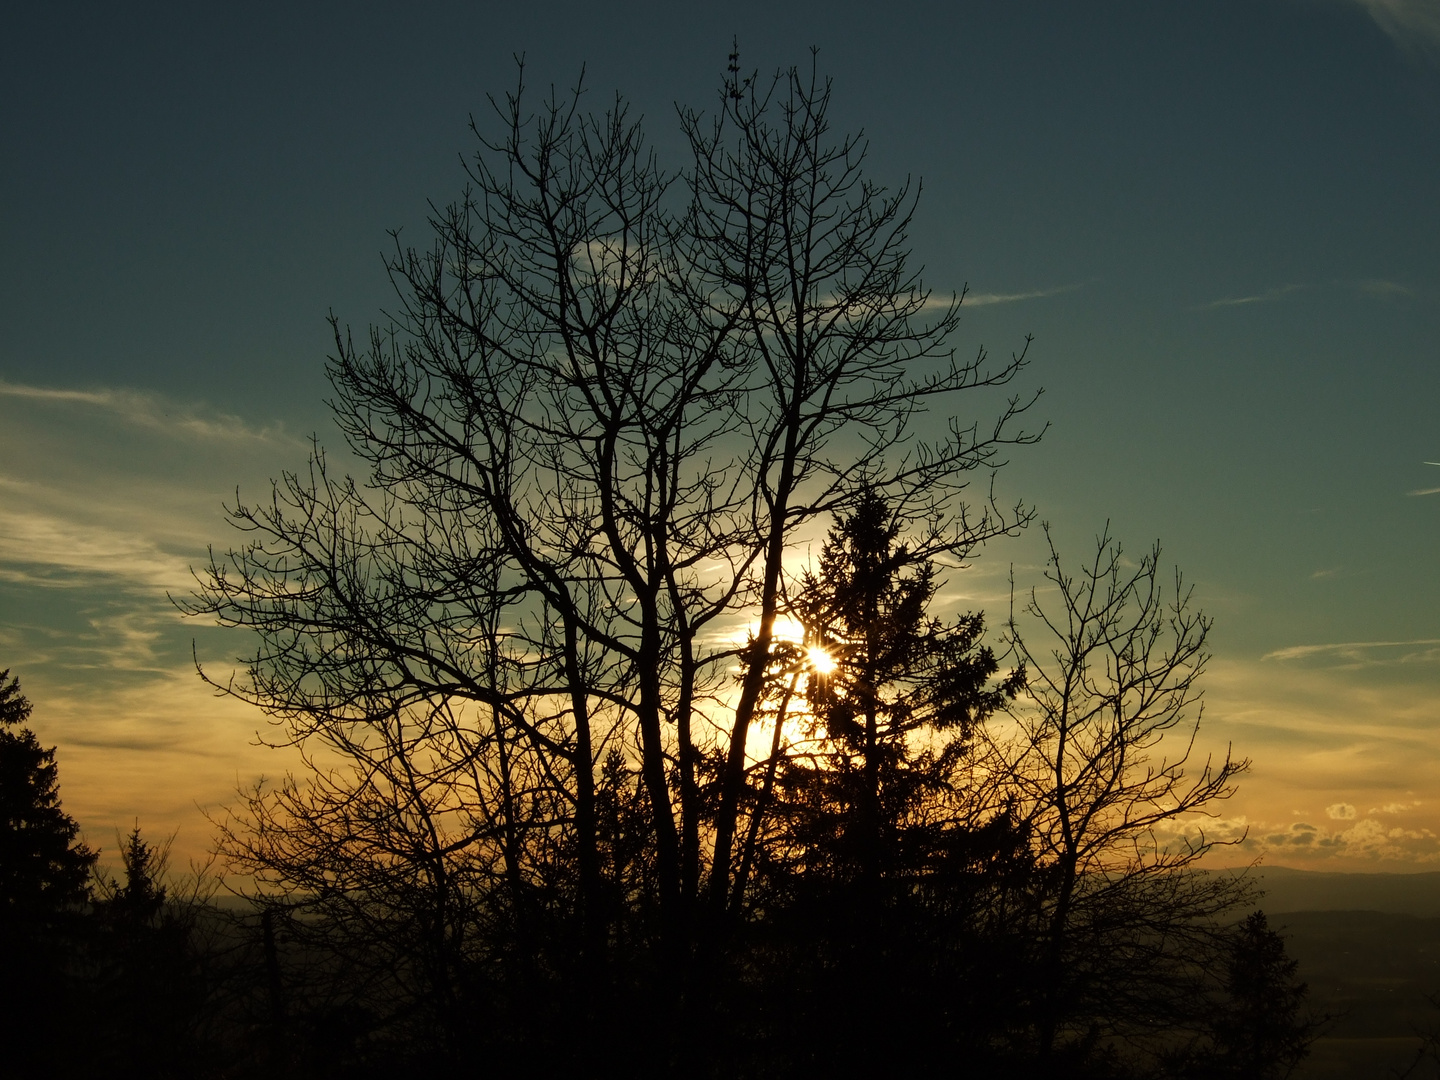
(821, 662)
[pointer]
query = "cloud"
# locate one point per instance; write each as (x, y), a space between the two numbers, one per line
(1424, 491)
(985, 299)
(1301, 835)
(1376, 287)
(1349, 650)
(107, 497)
(1257, 298)
(1340, 811)
(1396, 807)
(40, 547)
(1366, 842)
(113, 488)
(1331, 572)
(1384, 288)
(1316, 727)
(152, 411)
(160, 745)
(1413, 24)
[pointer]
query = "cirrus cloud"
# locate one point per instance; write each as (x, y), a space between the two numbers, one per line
(152, 411)
(1412, 24)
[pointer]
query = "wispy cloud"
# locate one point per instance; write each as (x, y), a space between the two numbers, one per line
(107, 498)
(1350, 650)
(1424, 491)
(40, 548)
(107, 488)
(1256, 298)
(1413, 24)
(1325, 736)
(112, 529)
(155, 748)
(1379, 287)
(152, 411)
(984, 299)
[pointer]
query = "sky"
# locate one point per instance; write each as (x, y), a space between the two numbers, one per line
(1220, 221)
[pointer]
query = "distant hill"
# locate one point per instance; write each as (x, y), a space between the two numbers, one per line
(1316, 890)
(1369, 947)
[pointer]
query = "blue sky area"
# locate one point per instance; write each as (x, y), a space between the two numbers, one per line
(1219, 220)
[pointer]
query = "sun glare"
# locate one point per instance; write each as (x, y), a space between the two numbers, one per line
(821, 662)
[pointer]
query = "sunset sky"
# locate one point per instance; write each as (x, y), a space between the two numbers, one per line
(1219, 220)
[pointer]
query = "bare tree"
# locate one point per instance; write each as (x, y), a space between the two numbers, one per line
(607, 408)
(1098, 762)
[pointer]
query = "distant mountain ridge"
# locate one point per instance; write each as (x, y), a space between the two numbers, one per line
(1321, 890)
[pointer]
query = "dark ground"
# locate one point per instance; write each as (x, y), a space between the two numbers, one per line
(1369, 948)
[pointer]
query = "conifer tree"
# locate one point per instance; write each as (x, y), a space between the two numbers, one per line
(1263, 1030)
(893, 692)
(44, 870)
(873, 873)
(44, 875)
(148, 981)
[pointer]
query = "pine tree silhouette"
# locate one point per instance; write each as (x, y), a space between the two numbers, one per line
(44, 875)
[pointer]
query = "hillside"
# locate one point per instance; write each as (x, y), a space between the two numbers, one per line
(1369, 948)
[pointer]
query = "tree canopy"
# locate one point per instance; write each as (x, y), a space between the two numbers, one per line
(568, 766)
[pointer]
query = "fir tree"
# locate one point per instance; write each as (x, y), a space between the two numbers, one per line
(1264, 1031)
(43, 869)
(44, 874)
(149, 988)
(900, 692)
(877, 876)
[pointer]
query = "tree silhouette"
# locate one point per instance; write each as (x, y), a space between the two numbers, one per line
(149, 992)
(1260, 1031)
(1123, 922)
(880, 701)
(608, 406)
(530, 656)
(139, 900)
(895, 674)
(872, 869)
(44, 874)
(44, 870)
